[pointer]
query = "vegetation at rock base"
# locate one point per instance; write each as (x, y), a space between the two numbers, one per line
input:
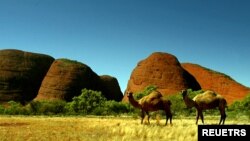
(145, 92)
(88, 103)
(94, 103)
(242, 107)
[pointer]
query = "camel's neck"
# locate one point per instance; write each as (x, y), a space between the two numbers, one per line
(134, 102)
(189, 102)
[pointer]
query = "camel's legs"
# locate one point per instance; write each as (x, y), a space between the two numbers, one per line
(142, 116)
(148, 116)
(166, 119)
(168, 116)
(222, 106)
(197, 116)
(223, 116)
(202, 117)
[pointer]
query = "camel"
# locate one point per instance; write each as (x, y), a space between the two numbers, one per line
(152, 102)
(206, 100)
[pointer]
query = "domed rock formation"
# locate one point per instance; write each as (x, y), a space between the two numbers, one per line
(162, 70)
(65, 79)
(218, 82)
(21, 74)
(111, 88)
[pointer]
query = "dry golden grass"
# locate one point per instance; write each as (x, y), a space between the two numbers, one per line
(26, 128)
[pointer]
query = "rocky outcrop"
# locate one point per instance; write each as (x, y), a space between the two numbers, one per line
(162, 70)
(218, 82)
(21, 74)
(25, 76)
(66, 78)
(111, 88)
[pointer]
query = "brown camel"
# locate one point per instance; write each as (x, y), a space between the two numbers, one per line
(207, 100)
(152, 102)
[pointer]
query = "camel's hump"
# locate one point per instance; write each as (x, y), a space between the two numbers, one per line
(207, 96)
(151, 97)
(155, 94)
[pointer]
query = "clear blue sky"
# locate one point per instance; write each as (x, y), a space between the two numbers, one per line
(111, 36)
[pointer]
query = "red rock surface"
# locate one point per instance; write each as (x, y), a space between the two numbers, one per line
(111, 88)
(21, 74)
(66, 78)
(162, 70)
(218, 82)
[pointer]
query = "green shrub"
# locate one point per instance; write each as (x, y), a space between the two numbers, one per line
(86, 102)
(47, 107)
(2, 109)
(114, 107)
(13, 108)
(34, 107)
(145, 92)
(239, 108)
(93, 102)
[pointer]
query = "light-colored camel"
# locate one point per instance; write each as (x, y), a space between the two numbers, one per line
(152, 102)
(206, 100)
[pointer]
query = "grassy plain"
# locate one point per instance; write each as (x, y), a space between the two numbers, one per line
(43, 128)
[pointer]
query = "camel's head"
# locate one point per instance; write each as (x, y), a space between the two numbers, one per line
(129, 94)
(184, 93)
